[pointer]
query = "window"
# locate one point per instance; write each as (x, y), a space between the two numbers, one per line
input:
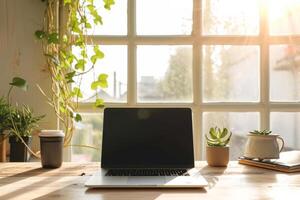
(235, 63)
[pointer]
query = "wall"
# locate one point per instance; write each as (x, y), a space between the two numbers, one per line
(21, 55)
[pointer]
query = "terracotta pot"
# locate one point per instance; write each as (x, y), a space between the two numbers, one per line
(2, 148)
(217, 156)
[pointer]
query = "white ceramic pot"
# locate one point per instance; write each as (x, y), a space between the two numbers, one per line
(263, 146)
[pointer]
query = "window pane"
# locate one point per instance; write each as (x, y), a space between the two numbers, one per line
(164, 73)
(114, 64)
(240, 123)
(230, 73)
(230, 17)
(164, 17)
(114, 20)
(87, 132)
(284, 17)
(287, 125)
(284, 73)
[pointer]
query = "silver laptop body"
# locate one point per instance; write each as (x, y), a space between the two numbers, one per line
(147, 148)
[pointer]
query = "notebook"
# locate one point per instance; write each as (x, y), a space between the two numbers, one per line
(288, 162)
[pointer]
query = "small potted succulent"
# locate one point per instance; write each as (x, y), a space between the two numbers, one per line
(263, 145)
(217, 149)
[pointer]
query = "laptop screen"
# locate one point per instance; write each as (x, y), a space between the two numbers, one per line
(147, 138)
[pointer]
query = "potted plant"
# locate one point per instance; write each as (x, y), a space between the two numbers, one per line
(23, 122)
(263, 145)
(4, 116)
(217, 149)
(19, 124)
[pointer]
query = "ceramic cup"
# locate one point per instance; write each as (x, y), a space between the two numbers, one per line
(51, 143)
(263, 146)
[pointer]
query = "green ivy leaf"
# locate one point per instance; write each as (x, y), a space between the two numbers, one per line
(40, 34)
(78, 118)
(53, 38)
(101, 82)
(20, 83)
(80, 65)
(102, 79)
(67, 2)
(94, 85)
(83, 53)
(99, 103)
(94, 13)
(69, 77)
(88, 25)
(77, 92)
(98, 54)
(108, 4)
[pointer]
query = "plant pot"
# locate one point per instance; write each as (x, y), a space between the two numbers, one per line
(217, 156)
(2, 148)
(263, 146)
(18, 151)
(52, 142)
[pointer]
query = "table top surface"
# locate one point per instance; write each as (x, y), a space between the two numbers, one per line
(30, 181)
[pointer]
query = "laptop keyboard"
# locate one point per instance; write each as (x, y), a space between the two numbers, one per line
(147, 172)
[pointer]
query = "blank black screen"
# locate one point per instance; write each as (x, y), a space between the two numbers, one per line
(147, 137)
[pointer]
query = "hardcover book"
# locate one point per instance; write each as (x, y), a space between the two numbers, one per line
(289, 161)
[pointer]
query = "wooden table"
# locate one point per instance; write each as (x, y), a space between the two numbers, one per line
(29, 181)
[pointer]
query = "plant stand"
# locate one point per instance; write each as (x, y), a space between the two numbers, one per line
(2, 148)
(18, 151)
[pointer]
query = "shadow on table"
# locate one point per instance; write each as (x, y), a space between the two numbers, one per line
(210, 174)
(22, 175)
(78, 191)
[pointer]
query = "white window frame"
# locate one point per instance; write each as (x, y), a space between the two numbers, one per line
(264, 107)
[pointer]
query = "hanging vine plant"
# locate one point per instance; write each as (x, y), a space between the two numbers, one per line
(59, 38)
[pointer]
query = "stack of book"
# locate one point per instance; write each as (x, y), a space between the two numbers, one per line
(288, 162)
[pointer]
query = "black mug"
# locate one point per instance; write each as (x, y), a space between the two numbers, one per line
(51, 144)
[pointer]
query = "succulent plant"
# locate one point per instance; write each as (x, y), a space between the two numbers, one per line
(218, 137)
(264, 132)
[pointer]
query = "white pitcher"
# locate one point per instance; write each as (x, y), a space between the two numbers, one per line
(263, 146)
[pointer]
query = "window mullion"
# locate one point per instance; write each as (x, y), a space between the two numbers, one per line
(264, 66)
(131, 76)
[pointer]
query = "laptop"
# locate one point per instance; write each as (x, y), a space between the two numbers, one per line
(147, 148)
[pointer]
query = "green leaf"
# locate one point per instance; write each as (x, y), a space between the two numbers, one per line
(94, 85)
(101, 82)
(40, 34)
(69, 76)
(98, 54)
(83, 53)
(94, 13)
(108, 4)
(212, 133)
(53, 38)
(102, 79)
(67, 2)
(79, 42)
(99, 103)
(78, 118)
(77, 92)
(224, 133)
(20, 83)
(80, 64)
